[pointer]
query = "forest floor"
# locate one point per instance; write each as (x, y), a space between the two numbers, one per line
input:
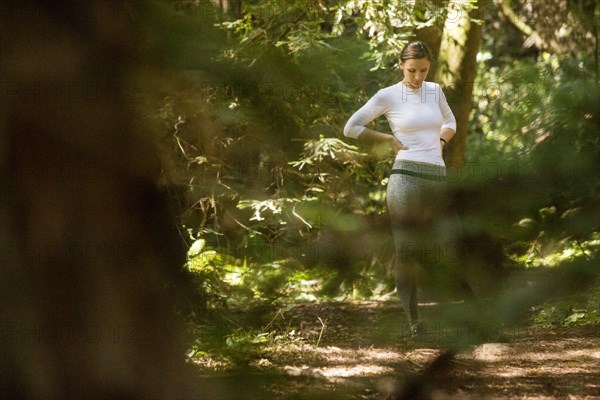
(361, 350)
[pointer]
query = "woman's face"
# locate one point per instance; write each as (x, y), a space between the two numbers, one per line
(415, 71)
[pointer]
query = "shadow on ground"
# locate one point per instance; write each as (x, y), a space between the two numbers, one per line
(360, 350)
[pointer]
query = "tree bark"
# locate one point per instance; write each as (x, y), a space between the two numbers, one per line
(532, 36)
(91, 261)
(228, 9)
(431, 35)
(457, 68)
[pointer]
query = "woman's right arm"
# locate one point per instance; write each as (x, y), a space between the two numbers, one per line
(369, 134)
(355, 127)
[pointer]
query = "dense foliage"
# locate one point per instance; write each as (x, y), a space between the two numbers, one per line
(276, 205)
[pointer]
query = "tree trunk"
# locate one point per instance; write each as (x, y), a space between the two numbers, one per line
(457, 68)
(228, 9)
(91, 262)
(431, 35)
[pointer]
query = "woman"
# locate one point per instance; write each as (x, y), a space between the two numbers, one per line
(422, 124)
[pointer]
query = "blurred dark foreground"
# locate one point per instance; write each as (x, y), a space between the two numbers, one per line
(90, 254)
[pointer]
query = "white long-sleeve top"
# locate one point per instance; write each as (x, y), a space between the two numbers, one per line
(416, 118)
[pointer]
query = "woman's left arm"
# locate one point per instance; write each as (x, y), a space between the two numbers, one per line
(449, 126)
(446, 135)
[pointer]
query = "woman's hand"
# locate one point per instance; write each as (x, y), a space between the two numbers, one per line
(396, 144)
(369, 134)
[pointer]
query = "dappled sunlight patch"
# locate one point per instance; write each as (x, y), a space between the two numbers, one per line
(567, 355)
(561, 252)
(334, 361)
(537, 365)
(571, 349)
(211, 363)
(332, 353)
(294, 353)
(537, 369)
(347, 371)
(492, 352)
(331, 362)
(593, 354)
(422, 356)
(509, 372)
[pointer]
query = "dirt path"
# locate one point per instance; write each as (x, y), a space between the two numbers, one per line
(358, 351)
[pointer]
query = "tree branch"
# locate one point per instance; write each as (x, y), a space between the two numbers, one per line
(532, 35)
